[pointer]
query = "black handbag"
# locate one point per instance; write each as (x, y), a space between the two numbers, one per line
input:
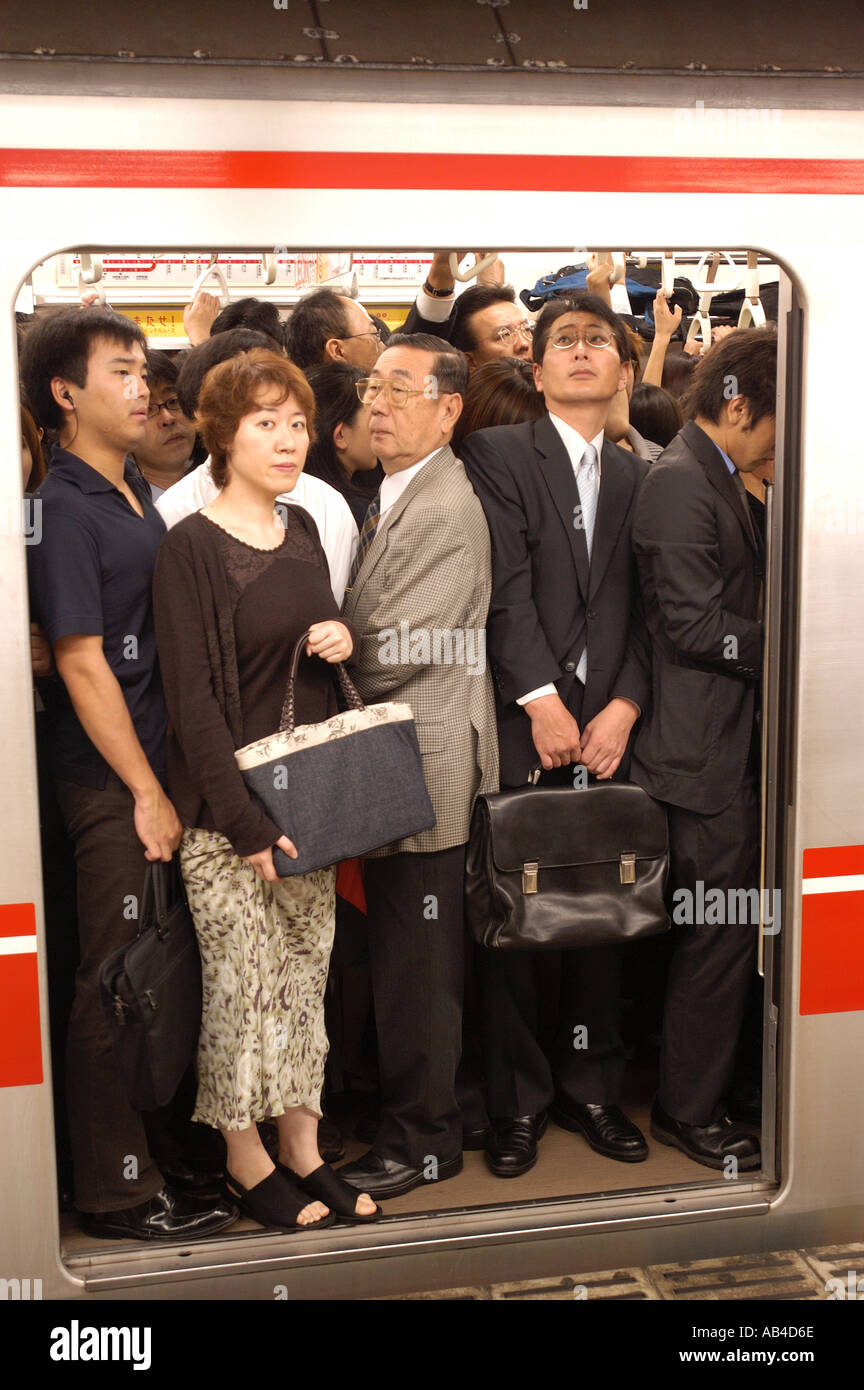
(151, 992)
(343, 787)
(551, 868)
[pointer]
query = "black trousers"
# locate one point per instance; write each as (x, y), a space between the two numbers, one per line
(521, 1079)
(712, 965)
(112, 1161)
(416, 956)
(585, 1061)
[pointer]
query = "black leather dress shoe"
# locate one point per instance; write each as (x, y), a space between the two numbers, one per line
(475, 1139)
(709, 1144)
(605, 1127)
(169, 1215)
(331, 1145)
(385, 1177)
(192, 1182)
(512, 1147)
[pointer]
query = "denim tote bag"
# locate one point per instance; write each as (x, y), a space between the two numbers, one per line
(341, 788)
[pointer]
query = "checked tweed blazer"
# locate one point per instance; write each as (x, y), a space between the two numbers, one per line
(428, 570)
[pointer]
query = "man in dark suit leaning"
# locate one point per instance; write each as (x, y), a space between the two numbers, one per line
(700, 563)
(570, 657)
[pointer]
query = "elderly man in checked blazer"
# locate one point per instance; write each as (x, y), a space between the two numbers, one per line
(418, 596)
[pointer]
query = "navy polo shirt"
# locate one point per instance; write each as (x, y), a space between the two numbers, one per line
(92, 574)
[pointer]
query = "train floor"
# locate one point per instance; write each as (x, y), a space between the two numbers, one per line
(566, 1167)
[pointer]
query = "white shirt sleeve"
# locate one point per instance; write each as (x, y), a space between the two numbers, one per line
(189, 495)
(535, 694)
(336, 526)
(433, 308)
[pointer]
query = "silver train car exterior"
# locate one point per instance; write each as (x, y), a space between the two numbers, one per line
(109, 172)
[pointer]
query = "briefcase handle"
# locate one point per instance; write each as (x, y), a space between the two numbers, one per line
(163, 889)
(350, 693)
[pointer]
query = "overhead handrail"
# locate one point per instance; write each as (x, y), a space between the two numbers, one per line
(700, 324)
(667, 273)
(618, 261)
(270, 267)
(213, 269)
(91, 268)
(710, 284)
(473, 270)
(752, 313)
(90, 277)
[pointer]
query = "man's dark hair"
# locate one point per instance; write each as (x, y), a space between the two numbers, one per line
(744, 363)
(317, 317)
(161, 368)
(198, 361)
(256, 314)
(60, 344)
(471, 302)
(450, 368)
(579, 302)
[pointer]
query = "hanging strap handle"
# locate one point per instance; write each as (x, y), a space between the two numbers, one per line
(350, 693)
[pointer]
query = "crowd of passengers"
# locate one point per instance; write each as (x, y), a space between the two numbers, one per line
(198, 513)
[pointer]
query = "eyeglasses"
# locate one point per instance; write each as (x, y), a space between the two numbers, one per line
(370, 333)
(592, 338)
(507, 334)
(171, 404)
(393, 392)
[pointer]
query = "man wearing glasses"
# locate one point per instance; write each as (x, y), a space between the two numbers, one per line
(330, 327)
(418, 596)
(484, 322)
(571, 660)
(164, 454)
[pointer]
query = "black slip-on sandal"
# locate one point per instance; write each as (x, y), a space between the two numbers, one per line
(275, 1201)
(323, 1185)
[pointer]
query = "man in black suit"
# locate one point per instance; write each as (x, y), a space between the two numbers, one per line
(570, 657)
(700, 564)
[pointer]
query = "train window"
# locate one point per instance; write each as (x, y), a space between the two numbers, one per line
(572, 1158)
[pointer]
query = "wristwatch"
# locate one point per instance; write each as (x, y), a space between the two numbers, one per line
(436, 294)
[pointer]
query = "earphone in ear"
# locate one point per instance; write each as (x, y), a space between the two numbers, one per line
(68, 397)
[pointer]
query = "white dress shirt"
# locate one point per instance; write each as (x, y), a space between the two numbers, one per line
(575, 446)
(327, 507)
(395, 484)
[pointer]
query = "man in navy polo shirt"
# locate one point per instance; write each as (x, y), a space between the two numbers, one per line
(85, 376)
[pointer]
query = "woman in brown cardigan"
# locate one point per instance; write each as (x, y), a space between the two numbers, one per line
(235, 586)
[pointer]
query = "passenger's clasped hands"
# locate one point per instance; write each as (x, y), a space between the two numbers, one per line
(554, 731)
(605, 738)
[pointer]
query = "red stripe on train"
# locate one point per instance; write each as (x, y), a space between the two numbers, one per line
(832, 934)
(831, 862)
(41, 168)
(20, 1039)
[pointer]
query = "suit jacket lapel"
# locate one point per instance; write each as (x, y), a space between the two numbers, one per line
(721, 479)
(616, 492)
(554, 463)
(427, 477)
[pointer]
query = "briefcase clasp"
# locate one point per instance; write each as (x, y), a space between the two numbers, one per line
(627, 868)
(529, 876)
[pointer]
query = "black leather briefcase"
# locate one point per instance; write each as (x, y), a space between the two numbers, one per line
(151, 992)
(559, 867)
